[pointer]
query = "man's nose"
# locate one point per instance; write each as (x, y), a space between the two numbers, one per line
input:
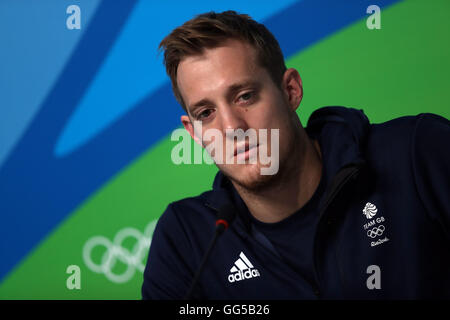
(233, 119)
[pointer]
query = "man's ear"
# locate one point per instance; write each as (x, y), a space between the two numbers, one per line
(292, 86)
(189, 126)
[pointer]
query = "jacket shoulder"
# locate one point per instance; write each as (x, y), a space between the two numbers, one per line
(403, 131)
(174, 252)
(399, 126)
(396, 136)
(187, 211)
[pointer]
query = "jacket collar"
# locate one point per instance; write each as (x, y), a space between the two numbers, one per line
(224, 193)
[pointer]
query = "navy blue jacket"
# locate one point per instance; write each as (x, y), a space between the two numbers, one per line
(383, 230)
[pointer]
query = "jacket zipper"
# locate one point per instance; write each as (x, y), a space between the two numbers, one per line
(329, 200)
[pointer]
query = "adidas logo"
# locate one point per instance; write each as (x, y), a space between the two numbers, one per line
(242, 269)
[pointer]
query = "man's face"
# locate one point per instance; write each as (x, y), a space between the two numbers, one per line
(226, 88)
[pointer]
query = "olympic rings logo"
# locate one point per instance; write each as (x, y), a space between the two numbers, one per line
(376, 231)
(115, 252)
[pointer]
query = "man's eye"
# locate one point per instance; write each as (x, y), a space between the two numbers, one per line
(204, 114)
(246, 96)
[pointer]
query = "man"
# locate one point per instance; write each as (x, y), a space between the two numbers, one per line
(355, 210)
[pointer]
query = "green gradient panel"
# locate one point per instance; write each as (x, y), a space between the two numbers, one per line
(399, 70)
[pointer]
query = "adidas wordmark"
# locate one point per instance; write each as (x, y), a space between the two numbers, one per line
(242, 269)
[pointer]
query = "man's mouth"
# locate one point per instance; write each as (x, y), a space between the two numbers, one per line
(244, 151)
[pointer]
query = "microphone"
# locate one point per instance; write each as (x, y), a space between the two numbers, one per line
(225, 216)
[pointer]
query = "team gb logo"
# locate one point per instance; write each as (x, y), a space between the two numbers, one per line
(370, 210)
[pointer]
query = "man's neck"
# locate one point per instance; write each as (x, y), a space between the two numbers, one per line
(296, 188)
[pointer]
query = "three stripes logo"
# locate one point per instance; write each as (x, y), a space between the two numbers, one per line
(242, 269)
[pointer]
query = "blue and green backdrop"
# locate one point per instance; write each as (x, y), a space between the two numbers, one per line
(86, 117)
